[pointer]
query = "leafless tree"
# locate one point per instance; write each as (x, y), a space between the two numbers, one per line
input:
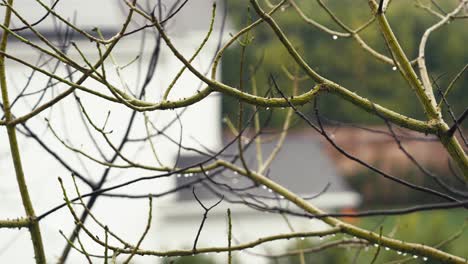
(76, 77)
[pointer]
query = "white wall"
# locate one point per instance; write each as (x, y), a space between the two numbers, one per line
(126, 217)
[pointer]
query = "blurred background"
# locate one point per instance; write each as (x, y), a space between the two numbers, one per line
(345, 62)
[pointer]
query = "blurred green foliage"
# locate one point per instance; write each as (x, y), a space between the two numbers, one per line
(344, 61)
(430, 228)
(446, 229)
(333, 255)
(377, 191)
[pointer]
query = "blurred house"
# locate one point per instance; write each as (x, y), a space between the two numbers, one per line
(377, 146)
(300, 165)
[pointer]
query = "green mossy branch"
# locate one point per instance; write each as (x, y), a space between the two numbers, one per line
(34, 229)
